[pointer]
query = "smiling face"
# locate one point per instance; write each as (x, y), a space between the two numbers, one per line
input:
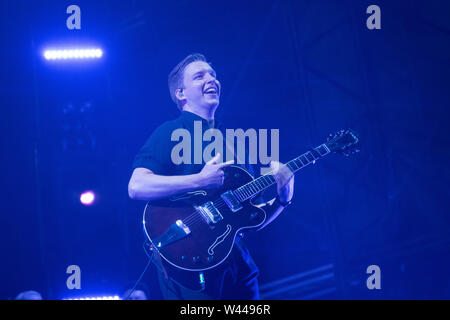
(201, 88)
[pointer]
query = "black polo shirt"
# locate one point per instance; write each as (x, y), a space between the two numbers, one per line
(155, 155)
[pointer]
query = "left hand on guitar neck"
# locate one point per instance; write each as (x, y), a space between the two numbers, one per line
(285, 181)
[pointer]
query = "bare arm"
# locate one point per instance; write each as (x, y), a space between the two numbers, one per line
(285, 189)
(146, 185)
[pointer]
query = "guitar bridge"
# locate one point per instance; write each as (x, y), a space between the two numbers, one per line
(232, 202)
(176, 231)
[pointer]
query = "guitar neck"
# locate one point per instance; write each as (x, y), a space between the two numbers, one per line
(258, 185)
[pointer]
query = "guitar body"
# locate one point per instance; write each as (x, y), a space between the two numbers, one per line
(186, 239)
(196, 231)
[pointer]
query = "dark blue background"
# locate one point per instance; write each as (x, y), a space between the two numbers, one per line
(308, 68)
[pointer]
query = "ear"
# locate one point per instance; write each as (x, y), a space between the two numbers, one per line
(179, 94)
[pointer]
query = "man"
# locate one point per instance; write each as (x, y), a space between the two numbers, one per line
(195, 89)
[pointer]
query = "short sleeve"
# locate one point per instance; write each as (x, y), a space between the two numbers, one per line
(155, 154)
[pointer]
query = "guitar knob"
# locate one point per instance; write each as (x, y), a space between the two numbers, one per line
(210, 259)
(253, 215)
(196, 259)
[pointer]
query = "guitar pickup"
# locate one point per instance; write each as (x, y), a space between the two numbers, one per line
(209, 212)
(232, 202)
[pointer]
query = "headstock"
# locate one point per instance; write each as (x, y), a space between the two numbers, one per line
(344, 141)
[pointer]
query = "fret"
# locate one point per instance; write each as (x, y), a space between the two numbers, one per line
(292, 166)
(244, 192)
(324, 149)
(309, 156)
(270, 179)
(327, 150)
(313, 155)
(249, 191)
(239, 194)
(262, 182)
(304, 160)
(321, 151)
(316, 154)
(257, 185)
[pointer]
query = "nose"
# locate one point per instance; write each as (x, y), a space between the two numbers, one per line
(212, 79)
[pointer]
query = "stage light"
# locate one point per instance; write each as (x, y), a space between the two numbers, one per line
(87, 198)
(64, 54)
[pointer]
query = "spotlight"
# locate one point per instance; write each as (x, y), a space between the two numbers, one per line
(64, 54)
(87, 198)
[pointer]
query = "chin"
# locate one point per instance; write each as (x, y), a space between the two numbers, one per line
(212, 103)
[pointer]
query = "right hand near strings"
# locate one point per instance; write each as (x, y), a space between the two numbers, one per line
(212, 175)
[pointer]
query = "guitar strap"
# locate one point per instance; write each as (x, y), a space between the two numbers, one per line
(159, 261)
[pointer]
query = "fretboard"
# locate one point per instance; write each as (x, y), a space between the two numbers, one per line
(254, 187)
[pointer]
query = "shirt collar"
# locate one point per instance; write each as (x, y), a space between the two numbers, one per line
(188, 119)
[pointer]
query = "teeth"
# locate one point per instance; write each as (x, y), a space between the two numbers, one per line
(212, 90)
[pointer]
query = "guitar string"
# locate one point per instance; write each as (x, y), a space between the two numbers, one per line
(196, 216)
(193, 218)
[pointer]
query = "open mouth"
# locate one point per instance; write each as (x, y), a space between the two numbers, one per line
(211, 91)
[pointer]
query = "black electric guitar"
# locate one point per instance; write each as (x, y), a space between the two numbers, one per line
(196, 231)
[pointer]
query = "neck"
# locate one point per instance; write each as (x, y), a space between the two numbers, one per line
(205, 113)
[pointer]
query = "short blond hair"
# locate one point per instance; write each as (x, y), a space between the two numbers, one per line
(176, 76)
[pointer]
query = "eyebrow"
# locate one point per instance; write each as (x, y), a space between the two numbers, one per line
(204, 71)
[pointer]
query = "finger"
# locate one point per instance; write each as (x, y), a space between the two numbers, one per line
(275, 166)
(225, 164)
(286, 172)
(214, 160)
